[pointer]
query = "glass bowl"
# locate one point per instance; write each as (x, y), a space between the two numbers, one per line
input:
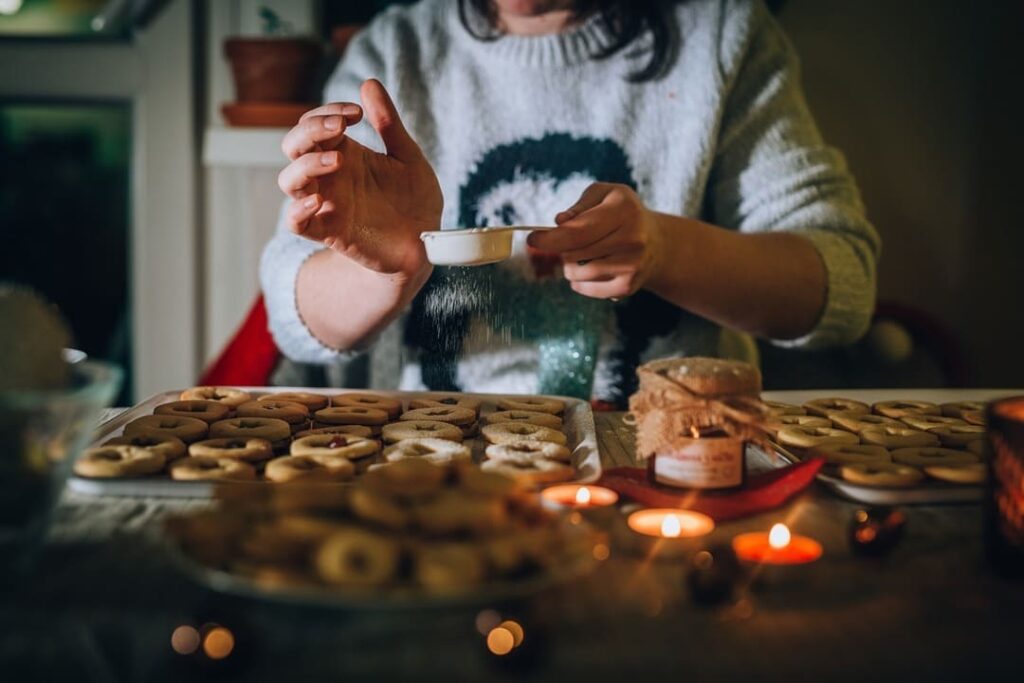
(41, 434)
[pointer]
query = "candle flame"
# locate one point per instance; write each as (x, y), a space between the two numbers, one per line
(583, 496)
(671, 527)
(779, 536)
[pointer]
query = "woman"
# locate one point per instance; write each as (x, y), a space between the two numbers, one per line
(668, 142)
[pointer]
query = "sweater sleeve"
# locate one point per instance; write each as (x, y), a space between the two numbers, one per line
(772, 172)
(285, 253)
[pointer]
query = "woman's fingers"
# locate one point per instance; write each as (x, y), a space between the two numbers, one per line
(301, 212)
(297, 175)
(615, 288)
(574, 235)
(591, 197)
(320, 128)
(600, 269)
(352, 112)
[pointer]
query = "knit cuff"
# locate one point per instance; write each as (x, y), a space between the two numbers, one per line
(279, 271)
(850, 299)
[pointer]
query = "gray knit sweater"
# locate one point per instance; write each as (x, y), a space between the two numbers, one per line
(517, 127)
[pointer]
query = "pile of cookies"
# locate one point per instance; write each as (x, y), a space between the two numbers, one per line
(223, 434)
(413, 525)
(889, 443)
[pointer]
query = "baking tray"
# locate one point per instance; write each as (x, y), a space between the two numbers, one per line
(578, 426)
(929, 493)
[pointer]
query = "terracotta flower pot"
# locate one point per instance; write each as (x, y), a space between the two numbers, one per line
(272, 69)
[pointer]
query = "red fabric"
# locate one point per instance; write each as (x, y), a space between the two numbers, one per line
(249, 357)
(762, 492)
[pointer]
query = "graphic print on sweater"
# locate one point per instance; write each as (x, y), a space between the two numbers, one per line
(527, 182)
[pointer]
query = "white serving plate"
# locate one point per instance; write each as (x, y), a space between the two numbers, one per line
(929, 492)
(472, 246)
(578, 425)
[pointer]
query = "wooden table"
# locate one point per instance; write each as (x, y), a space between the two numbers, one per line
(105, 598)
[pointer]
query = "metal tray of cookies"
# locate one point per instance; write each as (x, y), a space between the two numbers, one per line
(578, 426)
(929, 492)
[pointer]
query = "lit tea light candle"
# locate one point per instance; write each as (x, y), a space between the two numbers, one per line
(778, 546)
(579, 496)
(670, 523)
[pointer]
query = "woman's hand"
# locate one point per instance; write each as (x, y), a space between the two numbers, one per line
(609, 242)
(368, 206)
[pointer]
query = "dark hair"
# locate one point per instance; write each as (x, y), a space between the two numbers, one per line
(625, 20)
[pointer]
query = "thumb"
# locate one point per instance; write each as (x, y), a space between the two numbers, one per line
(591, 197)
(383, 116)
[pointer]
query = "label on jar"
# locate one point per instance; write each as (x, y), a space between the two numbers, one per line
(714, 465)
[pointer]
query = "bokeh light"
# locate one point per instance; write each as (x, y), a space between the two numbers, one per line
(486, 620)
(218, 643)
(516, 630)
(500, 641)
(602, 552)
(185, 640)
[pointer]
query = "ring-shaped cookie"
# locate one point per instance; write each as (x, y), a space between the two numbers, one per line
(777, 422)
(249, 449)
(437, 451)
(313, 402)
(277, 432)
(188, 429)
(391, 406)
(451, 400)
(335, 446)
(958, 436)
(295, 414)
(972, 473)
(408, 478)
(858, 422)
(510, 432)
(853, 454)
(824, 406)
(531, 472)
(460, 417)
(353, 430)
(419, 429)
(307, 468)
(927, 423)
(198, 468)
(446, 567)
(814, 437)
(354, 557)
(882, 474)
(117, 461)
(351, 415)
(207, 411)
(973, 417)
(229, 397)
(926, 457)
(537, 404)
(957, 408)
(171, 447)
(899, 437)
(528, 450)
(900, 409)
(528, 416)
(776, 408)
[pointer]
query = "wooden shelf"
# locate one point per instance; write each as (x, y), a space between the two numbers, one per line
(245, 147)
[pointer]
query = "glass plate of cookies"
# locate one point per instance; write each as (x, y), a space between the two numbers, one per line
(183, 443)
(410, 535)
(888, 447)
